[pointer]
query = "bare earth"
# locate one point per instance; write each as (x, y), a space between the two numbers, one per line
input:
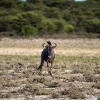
(76, 70)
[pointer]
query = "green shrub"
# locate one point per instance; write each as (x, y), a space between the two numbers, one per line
(60, 24)
(3, 25)
(93, 25)
(81, 23)
(47, 26)
(56, 3)
(27, 6)
(52, 13)
(29, 30)
(63, 16)
(69, 28)
(26, 20)
(35, 1)
(67, 16)
(6, 24)
(18, 23)
(3, 13)
(32, 18)
(14, 11)
(97, 13)
(8, 3)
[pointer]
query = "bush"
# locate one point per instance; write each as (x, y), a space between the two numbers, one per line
(52, 13)
(67, 16)
(3, 13)
(29, 30)
(56, 3)
(27, 7)
(46, 26)
(14, 11)
(6, 24)
(8, 3)
(93, 25)
(32, 18)
(35, 1)
(69, 28)
(3, 25)
(79, 16)
(81, 23)
(25, 19)
(18, 23)
(60, 25)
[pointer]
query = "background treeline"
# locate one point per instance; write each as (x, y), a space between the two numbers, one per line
(49, 17)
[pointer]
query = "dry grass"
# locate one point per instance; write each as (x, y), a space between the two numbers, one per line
(68, 47)
(34, 51)
(89, 43)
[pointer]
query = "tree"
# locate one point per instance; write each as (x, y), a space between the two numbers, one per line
(35, 1)
(8, 3)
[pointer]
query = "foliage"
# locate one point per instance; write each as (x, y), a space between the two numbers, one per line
(49, 16)
(52, 13)
(67, 16)
(27, 21)
(69, 28)
(47, 27)
(60, 25)
(29, 30)
(8, 3)
(6, 23)
(31, 17)
(93, 25)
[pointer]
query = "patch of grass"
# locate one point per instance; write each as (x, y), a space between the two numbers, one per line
(5, 95)
(77, 78)
(76, 59)
(31, 90)
(56, 95)
(39, 80)
(96, 85)
(59, 60)
(97, 69)
(54, 84)
(84, 68)
(92, 78)
(73, 92)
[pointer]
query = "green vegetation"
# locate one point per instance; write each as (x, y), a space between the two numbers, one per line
(59, 60)
(49, 17)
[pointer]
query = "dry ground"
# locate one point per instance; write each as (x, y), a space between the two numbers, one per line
(76, 71)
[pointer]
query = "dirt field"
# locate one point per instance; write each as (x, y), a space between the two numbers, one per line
(76, 70)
